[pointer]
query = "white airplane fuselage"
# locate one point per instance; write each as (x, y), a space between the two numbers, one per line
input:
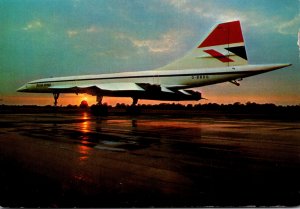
(177, 79)
(220, 57)
(170, 80)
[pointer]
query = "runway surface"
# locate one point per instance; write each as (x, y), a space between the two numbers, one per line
(64, 160)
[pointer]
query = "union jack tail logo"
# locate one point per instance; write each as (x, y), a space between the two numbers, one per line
(223, 47)
(226, 44)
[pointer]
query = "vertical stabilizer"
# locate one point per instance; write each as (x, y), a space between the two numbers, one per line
(224, 46)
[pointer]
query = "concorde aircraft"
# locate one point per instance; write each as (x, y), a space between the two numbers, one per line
(220, 57)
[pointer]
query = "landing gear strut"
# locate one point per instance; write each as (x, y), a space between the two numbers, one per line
(134, 101)
(133, 109)
(55, 96)
(99, 109)
(99, 100)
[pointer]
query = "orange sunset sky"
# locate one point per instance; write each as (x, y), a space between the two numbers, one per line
(41, 39)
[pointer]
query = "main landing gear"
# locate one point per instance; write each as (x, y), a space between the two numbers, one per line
(99, 109)
(134, 101)
(55, 96)
(133, 109)
(99, 100)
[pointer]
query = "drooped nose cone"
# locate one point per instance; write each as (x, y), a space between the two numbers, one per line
(22, 88)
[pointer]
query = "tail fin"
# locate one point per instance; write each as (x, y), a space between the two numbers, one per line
(224, 46)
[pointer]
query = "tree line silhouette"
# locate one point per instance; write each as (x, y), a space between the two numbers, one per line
(173, 108)
(237, 106)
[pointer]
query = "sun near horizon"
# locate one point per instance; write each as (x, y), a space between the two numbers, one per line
(70, 99)
(64, 38)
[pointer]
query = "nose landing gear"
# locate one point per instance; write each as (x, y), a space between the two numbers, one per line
(55, 96)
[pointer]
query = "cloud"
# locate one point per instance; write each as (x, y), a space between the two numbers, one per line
(163, 44)
(211, 11)
(290, 27)
(92, 29)
(204, 9)
(35, 24)
(167, 42)
(72, 33)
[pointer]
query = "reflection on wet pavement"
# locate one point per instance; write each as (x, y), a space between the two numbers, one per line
(126, 161)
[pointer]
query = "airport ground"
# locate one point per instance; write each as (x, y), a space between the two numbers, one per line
(76, 159)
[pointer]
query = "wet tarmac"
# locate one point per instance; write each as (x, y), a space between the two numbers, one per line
(63, 160)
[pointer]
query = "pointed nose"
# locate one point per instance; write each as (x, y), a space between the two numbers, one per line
(278, 66)
(271, 67)
(22, 88)
(283, 65)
